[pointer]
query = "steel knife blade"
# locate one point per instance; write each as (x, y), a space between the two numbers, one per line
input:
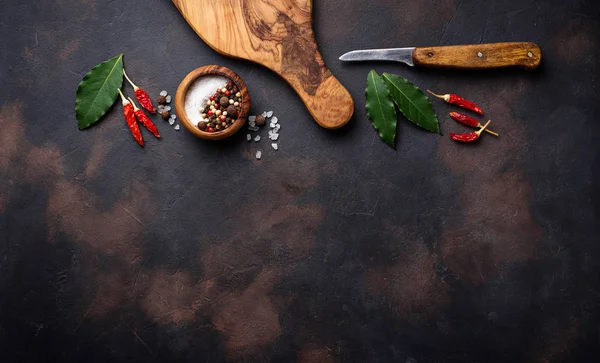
(404, 55)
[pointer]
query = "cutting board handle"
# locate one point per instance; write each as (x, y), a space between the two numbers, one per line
(329, 103)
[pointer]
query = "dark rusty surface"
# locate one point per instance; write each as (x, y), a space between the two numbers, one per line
(334, 248)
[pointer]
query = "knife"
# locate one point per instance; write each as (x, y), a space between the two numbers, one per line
(474, 56)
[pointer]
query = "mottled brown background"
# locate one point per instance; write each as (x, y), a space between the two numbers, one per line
(334, 249)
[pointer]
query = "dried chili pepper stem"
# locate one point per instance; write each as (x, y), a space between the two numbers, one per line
(141, 95)
(469, 121)
(129, 114)
(135, 88)
(144, 120)
(459, 101)
(470, 137)
(483, 128)
(123, 99)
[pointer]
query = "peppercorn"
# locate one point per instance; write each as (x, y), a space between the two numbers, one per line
(202, 125)
(232, 111)
(260, 120)
(165, 114)
(162, 100)
(224, 101)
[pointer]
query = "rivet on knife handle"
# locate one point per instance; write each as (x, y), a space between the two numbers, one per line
(479, 56)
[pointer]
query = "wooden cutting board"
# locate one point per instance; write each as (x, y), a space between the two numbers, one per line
(277, 34)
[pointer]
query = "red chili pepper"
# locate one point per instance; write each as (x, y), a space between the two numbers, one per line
(141, 95)
(144, 120)
(130, 118)
(470, 137)
(469, 121)
(459, 101)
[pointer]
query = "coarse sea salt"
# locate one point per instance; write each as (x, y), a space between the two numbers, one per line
(177, 128)
(275, 146)
(269, 114)
(198, 94)
(258, 155)
(248, 137)
(171, 121)
(274, 120)
(251, 118)
(257, 138)
(163, 93)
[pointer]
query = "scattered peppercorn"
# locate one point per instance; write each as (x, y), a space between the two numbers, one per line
(165, 114)
(260, 120)
(162, 100)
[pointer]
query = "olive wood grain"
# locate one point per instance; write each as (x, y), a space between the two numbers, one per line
(479, 56)
(278, 35)
(187, 83)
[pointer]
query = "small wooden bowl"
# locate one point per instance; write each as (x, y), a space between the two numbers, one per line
(182, 93)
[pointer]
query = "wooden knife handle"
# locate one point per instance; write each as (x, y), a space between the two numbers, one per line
(479, 56)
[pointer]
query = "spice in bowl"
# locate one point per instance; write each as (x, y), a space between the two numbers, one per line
(213, 103)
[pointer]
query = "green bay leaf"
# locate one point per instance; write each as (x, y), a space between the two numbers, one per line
(412, 102)
(97, 92)
(380, 108)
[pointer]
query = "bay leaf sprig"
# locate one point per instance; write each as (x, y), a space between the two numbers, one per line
(389, 89)
(97, 92)
(380, 108)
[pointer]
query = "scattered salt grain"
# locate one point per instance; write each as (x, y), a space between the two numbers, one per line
(168, 99)
(167, 108)
(252, 119)
(171, 121)
(264, 114)
(253, 128)
(275, 137)
(269, 114)
(174, 116)
(177, 127)
(277, 127)
(274, 120)
(163, 93)
(257, 138)
(251, 123)
(275, 146)
(272, 125)
(258, 155)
